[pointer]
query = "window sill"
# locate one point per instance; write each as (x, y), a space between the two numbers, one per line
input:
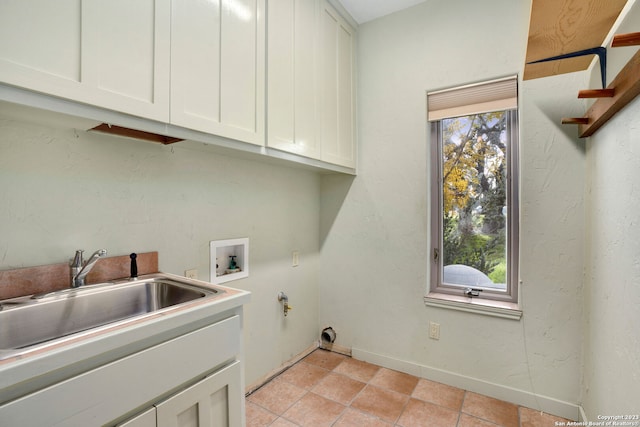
(507, 310)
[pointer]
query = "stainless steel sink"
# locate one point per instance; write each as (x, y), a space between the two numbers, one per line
(28, 322)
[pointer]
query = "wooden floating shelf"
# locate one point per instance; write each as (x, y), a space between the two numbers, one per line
(575, 121)
(629, 39)
(558, 27)
(622, 90)
(626, 86)
(597, 93)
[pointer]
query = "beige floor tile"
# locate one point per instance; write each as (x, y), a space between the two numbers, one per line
(314, 411)
(440, 394)
(490, 409)
(394, 380)
(277, 396)
(419, 413)
(330, 389)
(533, 418)
(325, 359)
(384, 404)
(357, 369)
(339, 388)
(469, 421)
(304, 375)
(281, 422)
(353, 418)
(258, 416)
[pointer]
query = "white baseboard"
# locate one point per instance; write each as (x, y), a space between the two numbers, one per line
(274, 373)
(583, 416)
(335, 348)
(520, 397)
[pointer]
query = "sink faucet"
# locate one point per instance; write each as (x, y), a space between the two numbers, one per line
(80, 269)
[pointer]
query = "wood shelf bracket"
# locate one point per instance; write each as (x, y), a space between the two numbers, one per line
(575, 120)
(629, 39)
(597, 93)
(626, 87)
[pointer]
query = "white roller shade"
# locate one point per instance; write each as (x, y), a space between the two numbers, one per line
(495, 95)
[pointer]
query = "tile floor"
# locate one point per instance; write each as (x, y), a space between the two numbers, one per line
(329, 389)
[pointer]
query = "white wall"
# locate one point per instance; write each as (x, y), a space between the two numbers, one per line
(375, 244)
(612, 286)
(61, 190)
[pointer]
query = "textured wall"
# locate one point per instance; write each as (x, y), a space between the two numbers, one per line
(61, 190)
(612, 286)
(375, 244)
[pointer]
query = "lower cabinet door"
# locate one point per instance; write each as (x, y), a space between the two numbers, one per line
(146, 419)
(217, 401)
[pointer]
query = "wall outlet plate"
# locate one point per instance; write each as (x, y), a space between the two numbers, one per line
(434, 330)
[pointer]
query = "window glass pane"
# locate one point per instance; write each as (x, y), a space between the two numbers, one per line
(474, 200)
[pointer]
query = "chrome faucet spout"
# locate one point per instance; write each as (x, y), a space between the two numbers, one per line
(80, 269)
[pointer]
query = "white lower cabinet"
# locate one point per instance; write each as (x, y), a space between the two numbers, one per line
(106, 394)
(215, 401)
(145, 419)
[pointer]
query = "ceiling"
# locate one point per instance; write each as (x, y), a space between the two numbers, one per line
(367, 10)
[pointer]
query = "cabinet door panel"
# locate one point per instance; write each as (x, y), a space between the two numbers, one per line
(112, 54)
(126, 55)
(338, 86)
(215, 401)
(217, 68)
(146, 419)
(292, 77)
(40, 43)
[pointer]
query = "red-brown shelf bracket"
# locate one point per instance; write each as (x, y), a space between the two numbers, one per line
(597, 93)
(575, 120)
(136, 134)
(629, 39)
(627, 87)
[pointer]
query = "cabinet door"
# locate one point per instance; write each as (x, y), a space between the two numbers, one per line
(338, 88)
(217, 67)
(146, 419)
(109, 53)
(292, 77)
(217, 401)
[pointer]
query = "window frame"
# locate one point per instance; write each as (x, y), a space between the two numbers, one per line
(437, 288)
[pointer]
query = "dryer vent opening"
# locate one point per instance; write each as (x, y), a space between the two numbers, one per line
(328, 335)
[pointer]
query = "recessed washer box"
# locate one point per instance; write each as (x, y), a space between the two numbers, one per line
(222, 252)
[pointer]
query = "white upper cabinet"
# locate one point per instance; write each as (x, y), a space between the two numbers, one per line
(311, 81)
(292, 84)
(113, 54)
(280, 72)
(217, 67)
(337, 88)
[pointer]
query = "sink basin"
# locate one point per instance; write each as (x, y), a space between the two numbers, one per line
(31, 321)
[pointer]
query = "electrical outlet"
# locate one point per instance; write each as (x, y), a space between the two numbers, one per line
(191, 274)
(295, 258)
(434, 330)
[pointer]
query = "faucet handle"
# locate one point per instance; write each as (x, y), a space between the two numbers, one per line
(134, 266)
(77, 259)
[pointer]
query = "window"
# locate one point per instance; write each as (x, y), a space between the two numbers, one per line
(474, 190)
